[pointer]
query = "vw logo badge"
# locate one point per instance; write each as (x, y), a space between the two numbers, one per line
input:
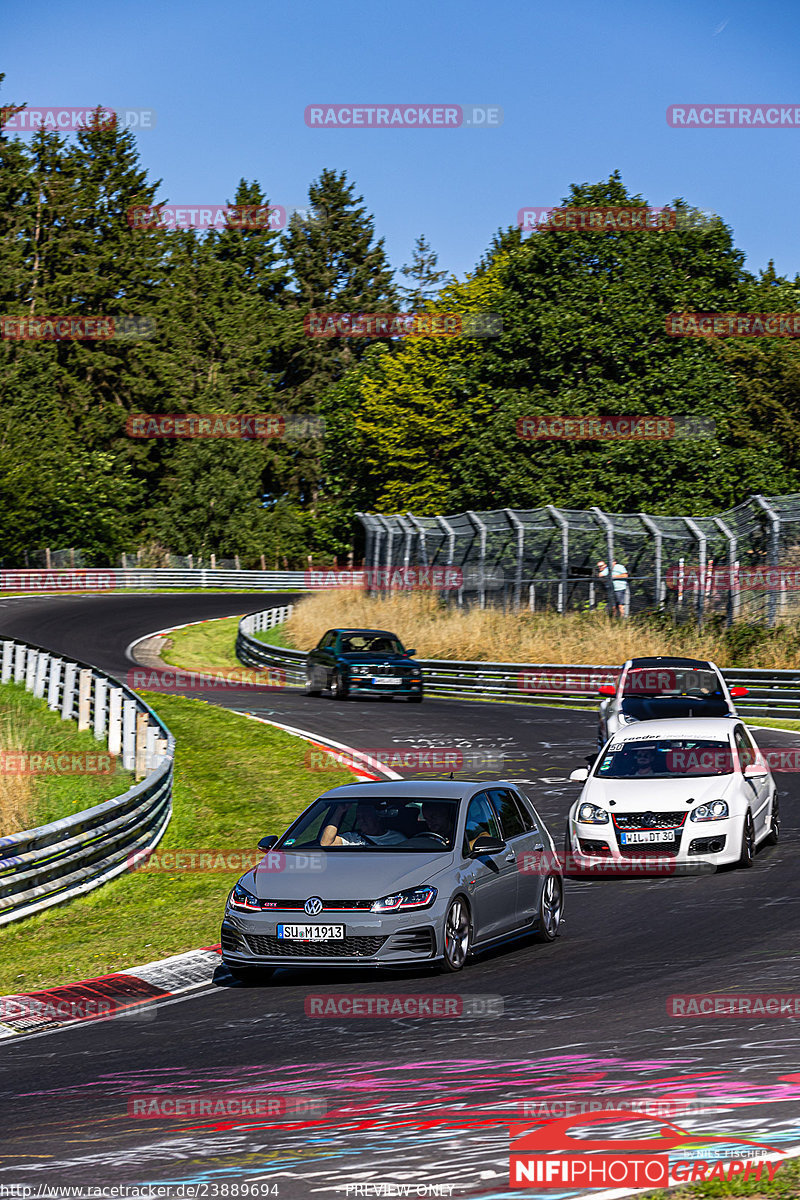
(648, 818)
(313, 906)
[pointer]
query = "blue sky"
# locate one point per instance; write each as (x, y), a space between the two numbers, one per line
(583, 86)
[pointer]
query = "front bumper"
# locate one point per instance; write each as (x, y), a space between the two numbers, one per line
(370, 941)
(364, 686)
(699, 847)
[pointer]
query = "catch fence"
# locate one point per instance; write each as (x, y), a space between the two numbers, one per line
(743, 564)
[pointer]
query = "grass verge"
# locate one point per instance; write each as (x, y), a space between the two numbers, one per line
(235, 781)
(785, 1183)
(32, 798)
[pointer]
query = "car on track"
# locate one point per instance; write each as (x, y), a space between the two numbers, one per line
(405, 873)
(694, 791)
(363, 662)
(651, 689)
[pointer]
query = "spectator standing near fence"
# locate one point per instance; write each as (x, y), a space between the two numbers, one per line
(619, 583)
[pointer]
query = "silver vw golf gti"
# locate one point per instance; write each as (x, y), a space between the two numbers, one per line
(396, 874)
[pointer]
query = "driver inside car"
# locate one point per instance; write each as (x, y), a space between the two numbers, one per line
(438, 818)
(369, 831)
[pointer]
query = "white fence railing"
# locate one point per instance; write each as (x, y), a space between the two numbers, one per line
(53, 863)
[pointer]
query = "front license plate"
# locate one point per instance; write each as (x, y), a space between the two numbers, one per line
(649, 835)
(311, 933)
(389, 680)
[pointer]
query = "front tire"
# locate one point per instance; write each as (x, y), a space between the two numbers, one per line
(310, 689)
(748, 842)
(339, 689)
(774, 823)
(415, 699)
(457, 935)
(551, 909)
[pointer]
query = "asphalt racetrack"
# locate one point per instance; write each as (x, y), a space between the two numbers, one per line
(583, 1019)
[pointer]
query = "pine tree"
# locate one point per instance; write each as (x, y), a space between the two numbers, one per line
(426, 280)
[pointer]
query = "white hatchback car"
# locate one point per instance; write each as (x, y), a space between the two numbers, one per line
(694, 791)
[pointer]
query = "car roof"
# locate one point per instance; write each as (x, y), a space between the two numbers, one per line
(702, 727)
(668, 660)
(413, 789)
(383, 632)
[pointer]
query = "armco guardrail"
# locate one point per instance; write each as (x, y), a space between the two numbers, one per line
(771, 693)
(46, 866)
(101, 579)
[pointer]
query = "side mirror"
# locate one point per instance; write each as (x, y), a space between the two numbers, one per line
(411, 653)
(738, 692)
(267, 843)
(608, 689)
(486, 844)
(580, 776)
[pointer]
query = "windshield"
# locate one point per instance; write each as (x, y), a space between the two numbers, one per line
(374, 825)
(665, 758)
(671, 681)
(369, 643)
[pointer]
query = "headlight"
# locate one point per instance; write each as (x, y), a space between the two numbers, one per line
(421, 897)
(624, 719)
(590, 814)
(715, 810)
(243, 900)
(360, 670)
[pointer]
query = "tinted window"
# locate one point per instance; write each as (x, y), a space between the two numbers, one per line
(509, 810)
(481, 819)
(671, 681)
(369, 824)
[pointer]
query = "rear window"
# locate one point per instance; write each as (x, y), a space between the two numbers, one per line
(671, 681)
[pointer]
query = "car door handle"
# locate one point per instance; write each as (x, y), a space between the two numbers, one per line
(511, 857)
(538, 846)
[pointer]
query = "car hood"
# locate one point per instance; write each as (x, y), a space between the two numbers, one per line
(346, 874)
(660, 795)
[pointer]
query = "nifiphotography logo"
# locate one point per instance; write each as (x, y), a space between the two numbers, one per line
(548, 1157)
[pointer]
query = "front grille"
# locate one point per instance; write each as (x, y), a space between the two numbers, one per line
(649, 820)
(651, 849)
(327, 905)
(349, 947)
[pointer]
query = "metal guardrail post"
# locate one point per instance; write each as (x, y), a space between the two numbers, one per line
(479, 525)
(702, 546)
(734, 598)
(774, 552)
(423, 546)
(517, 525)
(563, 524)
(68, 692)
(605, 523)
(651, 527)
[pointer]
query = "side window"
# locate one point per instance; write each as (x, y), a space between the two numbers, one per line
(326, 640)
(747, 755)
(480, 819)
(508, 809)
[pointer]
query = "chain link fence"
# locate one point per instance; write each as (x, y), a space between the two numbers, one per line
(741, 565)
